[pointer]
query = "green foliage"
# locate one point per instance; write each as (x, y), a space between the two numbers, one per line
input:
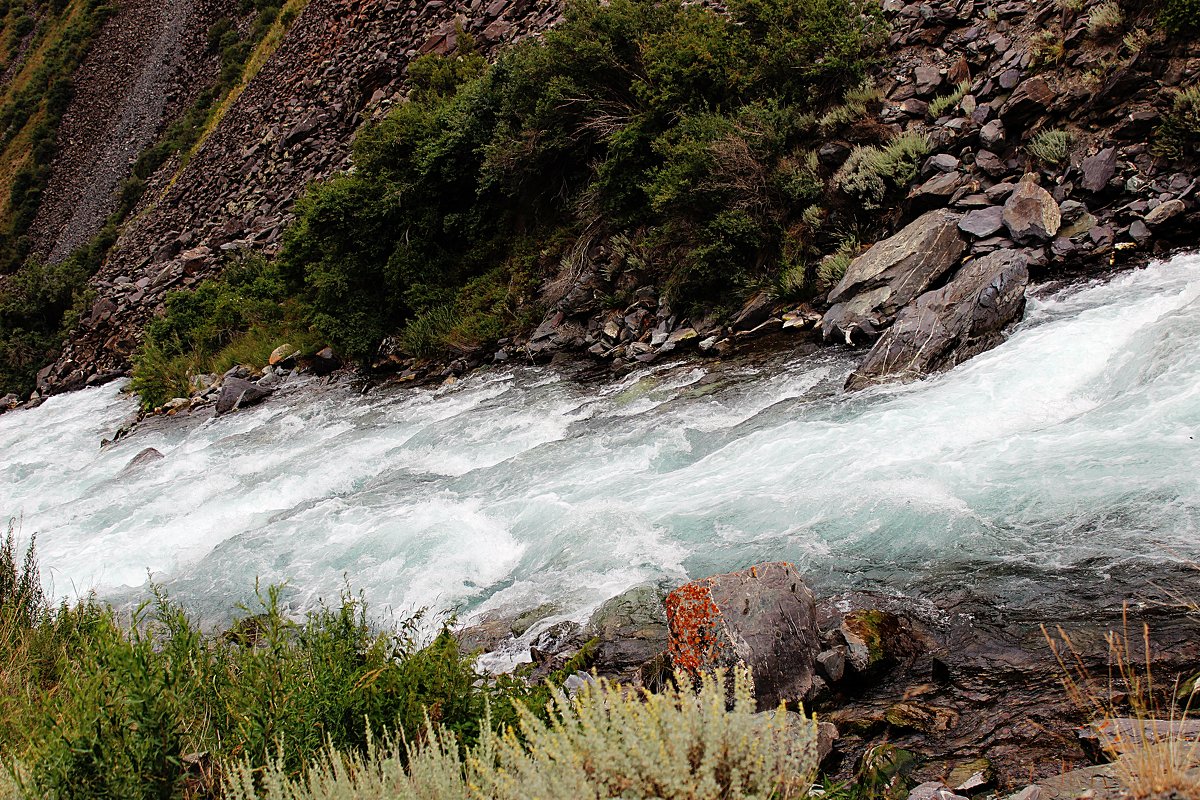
(691, 128)
(1178, 135)
(682, 744)
(871, 172)
(238, 318)
(1105, 19)
(1180, 16)
(1051, 147)
(943, 103)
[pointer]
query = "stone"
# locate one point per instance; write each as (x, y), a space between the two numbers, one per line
(1079, 227)
(992, 135)
(1099, 169)
(1164, 212)
(763, 618)
(833, 663)
(1030, 213)
(631, 627)
(285, 353)
(239, 393)
(926, 80)
(982, 223)
(990, 163)
(888, 276)
(942, 162)
(1139, 231)
(324, 362)
(1032, 792)
(755, 312)
(147, 456)
(1032, 97)
(947, 326)
(939, 186)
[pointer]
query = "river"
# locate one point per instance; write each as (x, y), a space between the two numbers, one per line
(1059, 470)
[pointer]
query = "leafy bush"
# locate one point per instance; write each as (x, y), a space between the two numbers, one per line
(682, 744)
(1180, 16)
(238, 318)
(1051, 147)
(940, 105)
(1178, 135)
(1105, 19)
(670, 120)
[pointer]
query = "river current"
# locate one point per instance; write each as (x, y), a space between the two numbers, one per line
(1061, 467)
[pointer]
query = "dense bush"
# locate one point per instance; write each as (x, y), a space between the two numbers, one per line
(36, 304)
(98, 705)
(1178, 135)
(676, 126)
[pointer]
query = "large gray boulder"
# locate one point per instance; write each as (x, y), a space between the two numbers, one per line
(946, 327)
(239, 393)
(631, 629)
(1030, 213)
(763, 617)
(887, 277)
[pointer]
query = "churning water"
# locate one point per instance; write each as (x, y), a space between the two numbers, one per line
(1065, 459)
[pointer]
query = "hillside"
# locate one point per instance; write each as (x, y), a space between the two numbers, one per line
(933, 106)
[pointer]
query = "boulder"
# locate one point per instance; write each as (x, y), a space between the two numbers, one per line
(992, 135)
(982, 223)
(763, 617)
(285, 355)
(1031, 98)
(147, 456)
(324, 362)
(631, 628)
(1099, 169)
(950, 325)
(1030, 213)
(887, 277)
(1164, 212)
(239, 393)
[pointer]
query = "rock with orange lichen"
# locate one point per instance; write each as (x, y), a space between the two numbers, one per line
(763, 617)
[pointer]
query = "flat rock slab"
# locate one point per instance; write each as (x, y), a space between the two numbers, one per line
(763, 617)
(891, 274)
(945, 327)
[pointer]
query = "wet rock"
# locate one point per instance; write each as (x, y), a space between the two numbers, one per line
(982, 222)
(1099, 169)
(1030, 213)
(147, 456)
(631, 628)
(945, 327)
(239, 393)
(880, 282)
(763, 617)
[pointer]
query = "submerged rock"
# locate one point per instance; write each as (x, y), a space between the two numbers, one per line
(763, 617)
(887, 277)
(950, 325)
(147, 456)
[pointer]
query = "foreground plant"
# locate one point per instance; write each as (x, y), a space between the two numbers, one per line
(1148, 738)
(607, 741)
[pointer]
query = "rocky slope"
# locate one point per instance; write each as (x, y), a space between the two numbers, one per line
(998, 75)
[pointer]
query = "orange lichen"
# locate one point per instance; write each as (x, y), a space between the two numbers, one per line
(696, 627)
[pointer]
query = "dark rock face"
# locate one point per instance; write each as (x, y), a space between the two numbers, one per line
(1031, 214)
(763, 617)
(887, 277)
(950, 325)
(631, 627)
(239, 393)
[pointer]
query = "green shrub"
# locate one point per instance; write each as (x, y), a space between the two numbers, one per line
(871, 172)
(942, 104)
(1180, 16)
(1105, 19)
(1051, 147)
(1178, 135)
(608, 741)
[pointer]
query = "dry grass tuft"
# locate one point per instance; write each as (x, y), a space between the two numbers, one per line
(1147, 731)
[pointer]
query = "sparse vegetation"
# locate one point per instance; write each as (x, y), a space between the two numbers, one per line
(1178, 135)
(1105, 19)
(944, 103)
(871, 172)
(1051, 147)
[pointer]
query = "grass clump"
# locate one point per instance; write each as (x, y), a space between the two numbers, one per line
(607, 741)
(1105, 19)
(1051, 147)
(1141, 725)
(871, 172)
(238, 318)
(1178, 135)
(939, 106)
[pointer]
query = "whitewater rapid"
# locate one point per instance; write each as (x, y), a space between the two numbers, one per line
(1059, 460)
